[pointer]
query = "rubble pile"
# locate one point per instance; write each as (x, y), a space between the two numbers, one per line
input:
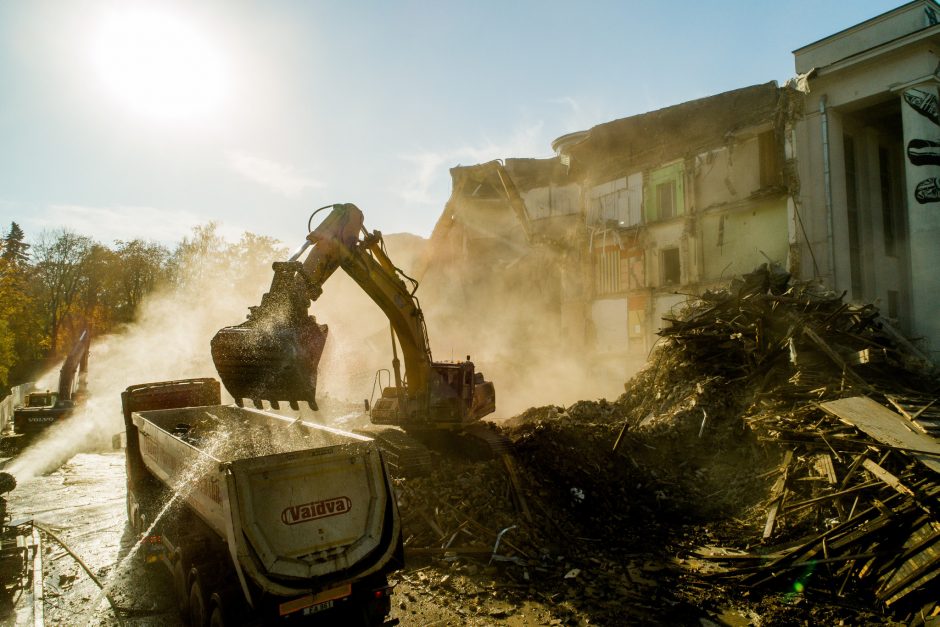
(777, 448)
(561, 519)
(854, 508)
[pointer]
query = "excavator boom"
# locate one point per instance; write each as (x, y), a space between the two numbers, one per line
(275, 353)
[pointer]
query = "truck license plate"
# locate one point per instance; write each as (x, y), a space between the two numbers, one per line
(313, 609)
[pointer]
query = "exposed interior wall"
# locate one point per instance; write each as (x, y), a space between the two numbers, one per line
(609, 316)
(667, 236)
(737, 241)
(727, 174)
(552, 200)
(663, 305)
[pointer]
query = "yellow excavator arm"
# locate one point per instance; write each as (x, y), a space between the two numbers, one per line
(274, 354)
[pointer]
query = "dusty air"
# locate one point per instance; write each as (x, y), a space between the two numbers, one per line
(293, 358)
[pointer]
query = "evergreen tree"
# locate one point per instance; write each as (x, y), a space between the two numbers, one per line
(16, 332)
(15, 249)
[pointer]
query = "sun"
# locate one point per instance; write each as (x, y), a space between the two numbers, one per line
(159, 65)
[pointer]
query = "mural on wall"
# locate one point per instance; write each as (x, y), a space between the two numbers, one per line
(921, 152)
(924, 102)
(927, 190)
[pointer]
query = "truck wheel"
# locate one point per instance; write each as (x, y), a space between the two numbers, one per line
(217, 619)
(369, 609)
(181, 583)
(198, 612)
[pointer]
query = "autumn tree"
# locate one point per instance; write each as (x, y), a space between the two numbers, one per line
(200, 259)
(141, 267)
(62, 258)
(95, 301)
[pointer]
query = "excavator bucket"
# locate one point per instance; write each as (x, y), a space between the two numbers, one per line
(274, 355)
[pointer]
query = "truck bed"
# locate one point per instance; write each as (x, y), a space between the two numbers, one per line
(293, 500)
(228, 433)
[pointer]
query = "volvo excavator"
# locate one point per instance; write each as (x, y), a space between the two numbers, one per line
(273, 356)
(43, 408)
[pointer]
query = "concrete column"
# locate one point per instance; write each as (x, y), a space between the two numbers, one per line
(920, 115)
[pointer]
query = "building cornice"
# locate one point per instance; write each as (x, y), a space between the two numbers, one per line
(877, 51)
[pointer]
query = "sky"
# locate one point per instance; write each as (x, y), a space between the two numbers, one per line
(124, 119)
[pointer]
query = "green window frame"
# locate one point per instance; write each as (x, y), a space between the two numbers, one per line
(665, 193)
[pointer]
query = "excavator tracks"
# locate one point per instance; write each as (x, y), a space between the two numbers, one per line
(405, 456)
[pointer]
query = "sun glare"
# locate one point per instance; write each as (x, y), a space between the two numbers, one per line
(159, 65)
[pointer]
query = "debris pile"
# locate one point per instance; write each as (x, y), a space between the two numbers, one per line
(773, 420)
(855, 500)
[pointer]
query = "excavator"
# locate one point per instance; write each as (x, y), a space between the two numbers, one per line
(42, 409)
(273, 356)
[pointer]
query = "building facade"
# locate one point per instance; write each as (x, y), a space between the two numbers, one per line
(834, 177)
(868, 154)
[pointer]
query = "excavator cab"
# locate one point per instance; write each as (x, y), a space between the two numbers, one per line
(41, 399)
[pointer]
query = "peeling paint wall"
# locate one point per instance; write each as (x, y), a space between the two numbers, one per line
(728, 174)
(737, 241)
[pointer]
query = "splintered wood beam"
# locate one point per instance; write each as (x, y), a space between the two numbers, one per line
(906, 414)
(825, 468)
(834, 356)
(776, 495)
(887, 427)
(879, 472)
(819, 499)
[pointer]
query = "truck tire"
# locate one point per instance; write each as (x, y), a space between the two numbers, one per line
(198, 608)
(218, 618)
(181, 583)
(371, 611)
(227, 607)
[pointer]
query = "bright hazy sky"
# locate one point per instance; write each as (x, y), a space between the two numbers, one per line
(143, 119)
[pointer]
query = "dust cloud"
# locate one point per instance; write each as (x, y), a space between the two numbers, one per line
(509, 320)
(48, 380)
(169, 340)
(510, 315)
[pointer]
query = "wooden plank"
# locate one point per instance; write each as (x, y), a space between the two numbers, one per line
(825, 468)
(517, 494)
(776, 495)
(886, 427)
(915, 425)
(921, 566)
(826, 497)
(887, 477)
(38, 579)
(834, 356)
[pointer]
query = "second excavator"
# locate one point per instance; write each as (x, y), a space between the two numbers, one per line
(274, 355)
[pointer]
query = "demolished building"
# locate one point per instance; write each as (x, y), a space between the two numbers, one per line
(640, 213)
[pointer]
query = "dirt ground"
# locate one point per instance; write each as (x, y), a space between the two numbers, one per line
(593, 581)
(83, 504)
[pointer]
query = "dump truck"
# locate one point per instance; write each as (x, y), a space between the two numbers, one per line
(259, 518)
